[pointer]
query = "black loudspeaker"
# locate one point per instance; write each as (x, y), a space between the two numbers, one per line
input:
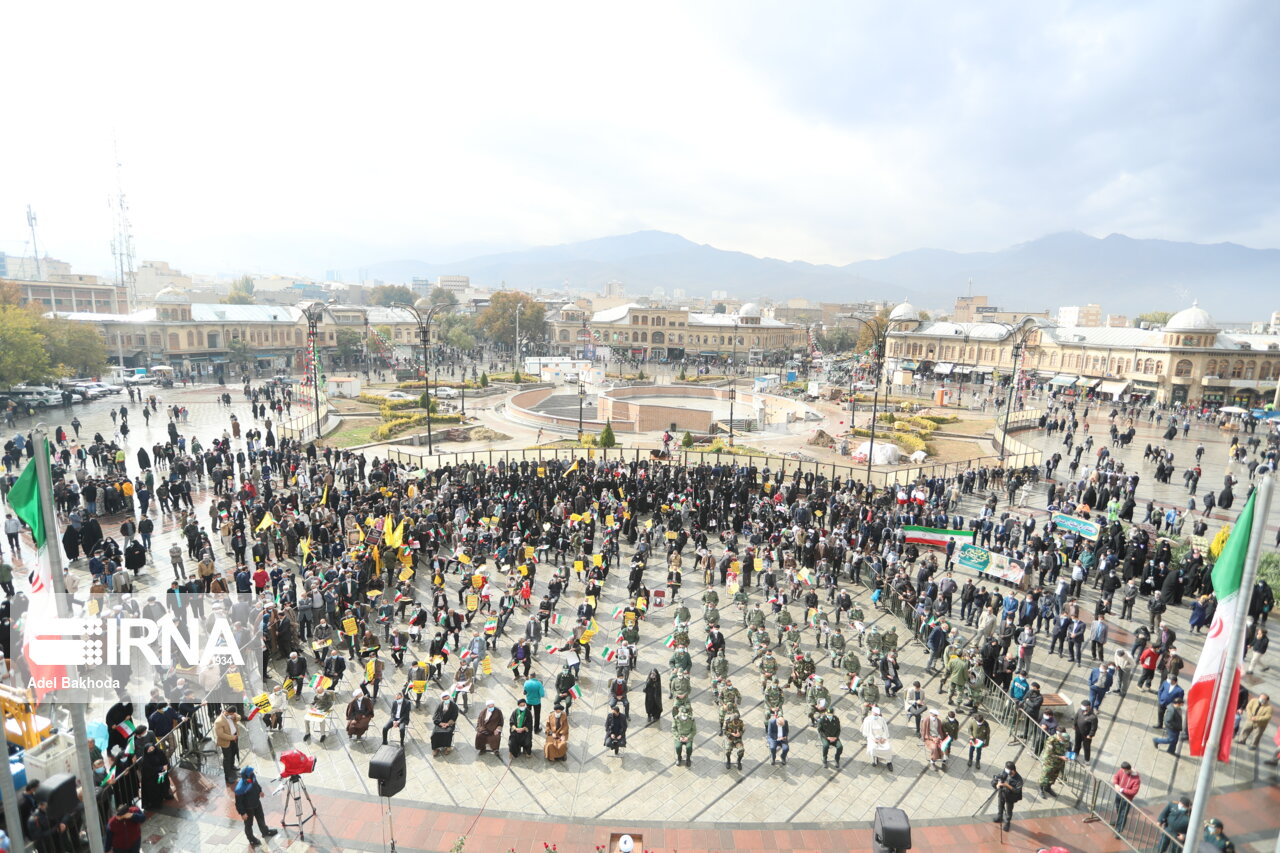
(892, 830)
(387, 766)
(60, 793)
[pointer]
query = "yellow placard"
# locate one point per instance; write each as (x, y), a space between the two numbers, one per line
(484, 521)
(735, 566)
(523, 570)
(94, 607)
(575, 517)
(586, 518)
(528, 552)
(349, 626)
(322, 644)
(465, 559)
(608, 521)
(477, 581)
(542, 472)
(420, 686)
(759, 564)
(370, 670)
(597, 559)
(473, 602)
(405, 574)
(263, 701)
(373, 593)
(818, 513)
(671, 534)
(234, 681)
(290, 688)
(733, 589)
(648, 524)
(591, 600)
(577, 565)
(486, 665)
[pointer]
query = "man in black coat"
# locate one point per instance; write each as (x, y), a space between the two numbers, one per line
(249, 806)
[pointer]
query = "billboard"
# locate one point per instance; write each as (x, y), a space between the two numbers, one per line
(1079, 526)
(989, 563)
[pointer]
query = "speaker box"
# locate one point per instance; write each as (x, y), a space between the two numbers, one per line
(892, 830)
(60, 793)
(388, 768)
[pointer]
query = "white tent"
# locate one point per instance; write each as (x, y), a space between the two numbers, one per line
(885, 453)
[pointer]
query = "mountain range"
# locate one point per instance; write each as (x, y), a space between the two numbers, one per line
(1123, 275)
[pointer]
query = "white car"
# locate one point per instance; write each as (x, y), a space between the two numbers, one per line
(105, 387)
(445, 393)
(864, 385)
(402, 395)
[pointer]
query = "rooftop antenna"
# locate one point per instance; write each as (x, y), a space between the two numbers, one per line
(122, 241)
(970, 287)
(35, 248)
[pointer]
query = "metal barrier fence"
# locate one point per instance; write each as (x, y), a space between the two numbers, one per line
(1092, 793)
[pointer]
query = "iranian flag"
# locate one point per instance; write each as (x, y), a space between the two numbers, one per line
(1214, 661)
(936, 537)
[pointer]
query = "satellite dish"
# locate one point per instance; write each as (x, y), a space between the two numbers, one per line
(625, 844)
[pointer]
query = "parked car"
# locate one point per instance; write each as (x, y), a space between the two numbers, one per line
(87, 391)
(402, 395)
(445, 393)
(106, 387)
(864, 385)
(38, 396)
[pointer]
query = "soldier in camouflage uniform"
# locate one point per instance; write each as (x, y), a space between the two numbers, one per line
(851, 666)
(856, 615)
(729, 699)
(889, 641)
(680, 660)
(836, 644)
(754, 618)
(680, 636)
(710, 601)
(683, 731)
(719, 665)
(800, 672)
(768, 666)
(1053, 760)
(818, 696)
(958, 680)
(712, 615)
(869, 693)
(682, 617)
(733, 728)
(785, 623)
(740, 599)
(680, 687)
(759, 640)
(774, 698)
(874, 646)
(823, 622)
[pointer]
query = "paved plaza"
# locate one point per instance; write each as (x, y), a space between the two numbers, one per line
(519, 804)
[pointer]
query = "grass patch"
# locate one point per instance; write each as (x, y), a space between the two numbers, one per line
(353, 436)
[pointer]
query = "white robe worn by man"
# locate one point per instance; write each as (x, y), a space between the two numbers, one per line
(879, 745)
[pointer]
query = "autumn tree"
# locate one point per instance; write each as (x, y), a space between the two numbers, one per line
(241, 292)
(391, 294)
(498, 322)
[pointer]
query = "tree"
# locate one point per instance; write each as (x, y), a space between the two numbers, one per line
(1155, 318)
(838, 339)
(348, 346)
(720, 309)
(23, 357)
(687, 440)
(241, 292)
(607, 438)
(498, 322)
(445, 298)
(484, 379)
(238, 352)
(456, 330)
(869, 332)
(75, 349)
(391, 294)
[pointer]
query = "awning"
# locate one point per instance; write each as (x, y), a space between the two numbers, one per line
(962, 369)
(983, 369)
(1113, 387)
(943, 368)
(1086, 382)
(1063, 380)
(1045, 374)
(909, 365)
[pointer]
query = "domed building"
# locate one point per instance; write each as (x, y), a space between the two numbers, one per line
(1189, 360)
(173, 304)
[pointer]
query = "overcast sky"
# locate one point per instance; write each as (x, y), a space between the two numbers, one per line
(281, 137)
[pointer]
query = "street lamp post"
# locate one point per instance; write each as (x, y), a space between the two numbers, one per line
(424, 334)
(582, 396)
(879, 337)
(733, 389)
(315, 313)
(1021, 332)
(515, 356)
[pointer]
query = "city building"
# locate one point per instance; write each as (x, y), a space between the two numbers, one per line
(1189, 360)
(454, 283)
(84, 294)
(152, 277)
(976, 309)
(646, 332)
(1080, 315)
(613, 288)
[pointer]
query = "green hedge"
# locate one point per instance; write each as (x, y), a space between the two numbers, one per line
(396, 426)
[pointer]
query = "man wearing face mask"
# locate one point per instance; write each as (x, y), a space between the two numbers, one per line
(1174, 819)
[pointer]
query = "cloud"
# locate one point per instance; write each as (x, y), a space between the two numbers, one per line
(298, 137)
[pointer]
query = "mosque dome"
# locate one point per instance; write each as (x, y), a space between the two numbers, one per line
(751, 309)
(1193, 319)
(172, 295)
(905, 312)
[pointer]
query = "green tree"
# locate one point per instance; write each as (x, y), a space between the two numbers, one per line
(391, 294)
(348, 346)
(444, 298)
(457, 330)
(75, 349)
(1155, 318)
(484, 379)
(238, 352)
(720, 309)
(241, 292)
(498, 321)
(23, 357)
(687, 440)
(838, 339)
(607, 438)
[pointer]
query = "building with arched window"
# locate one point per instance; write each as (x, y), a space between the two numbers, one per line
(1188, 360)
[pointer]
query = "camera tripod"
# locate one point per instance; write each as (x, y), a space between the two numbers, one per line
(295, 789)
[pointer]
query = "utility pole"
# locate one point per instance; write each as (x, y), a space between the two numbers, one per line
(35, 249)
(122, 242)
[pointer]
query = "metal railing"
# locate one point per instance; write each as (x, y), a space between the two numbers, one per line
(1137, 829)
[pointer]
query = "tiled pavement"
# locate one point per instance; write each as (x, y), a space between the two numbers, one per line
(685, 808)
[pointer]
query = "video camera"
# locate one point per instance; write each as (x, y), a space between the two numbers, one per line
(295, 762)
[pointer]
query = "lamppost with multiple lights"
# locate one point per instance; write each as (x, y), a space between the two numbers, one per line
(1021, 332)
(733, 388)
(424, 335)
(314, 313)
(904, 315)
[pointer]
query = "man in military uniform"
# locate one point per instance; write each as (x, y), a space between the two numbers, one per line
(759, 640)
(869, 693)
(800, 672)
(683, 731)
(874, 645)
(774, 698)
(710, 603)
(856, 615)
(829, 731)
(818, 695)
(889, 641)
(754, 618)
(719, 665)
(733, 728)
(711, 615)
(957, 679)
(785, 623)
(682, 617)
(680, 688)
(836, 645)
(851, 666)
(730, 698)
(680, 660)
(740, 599)
(1052, 760)
(768, 667)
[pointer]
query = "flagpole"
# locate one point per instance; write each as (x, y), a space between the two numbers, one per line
(1235, 649)
(53, 554)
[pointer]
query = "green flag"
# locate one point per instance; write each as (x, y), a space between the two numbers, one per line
(24, 497)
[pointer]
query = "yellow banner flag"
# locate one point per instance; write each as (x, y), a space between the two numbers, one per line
(577, 565)
(324, 499)
(370, 670)
(349, 626)
(267, 521)
(597, 559)
(234, 681)
(405, 574)
(305, 547)
(528, 552)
